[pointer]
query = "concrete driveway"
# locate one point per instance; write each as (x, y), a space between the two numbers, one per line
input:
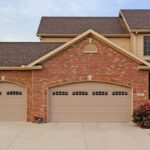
(73, 136)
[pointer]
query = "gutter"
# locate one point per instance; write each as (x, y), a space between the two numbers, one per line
(21, 68)
(144, 67)
(140, 31)
(74, 35)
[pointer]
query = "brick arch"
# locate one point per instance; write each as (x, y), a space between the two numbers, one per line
(13, 82)
(79, 80)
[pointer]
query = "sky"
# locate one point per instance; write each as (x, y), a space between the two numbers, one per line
(19, 19)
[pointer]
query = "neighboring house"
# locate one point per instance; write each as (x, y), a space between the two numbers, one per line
(83, 69)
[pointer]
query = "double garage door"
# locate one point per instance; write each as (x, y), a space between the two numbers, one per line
(12, 102)
(79, 102)
(90, 102)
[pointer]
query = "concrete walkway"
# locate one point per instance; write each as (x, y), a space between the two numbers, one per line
(73, 136)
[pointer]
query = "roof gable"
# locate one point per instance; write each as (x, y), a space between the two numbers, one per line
(83, 35)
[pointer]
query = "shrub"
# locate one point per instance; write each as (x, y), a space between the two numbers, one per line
(141, 116)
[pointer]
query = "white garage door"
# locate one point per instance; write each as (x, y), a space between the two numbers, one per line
(90, 102)
(12, 102)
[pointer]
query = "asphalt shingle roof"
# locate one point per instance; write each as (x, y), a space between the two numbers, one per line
(23, 53)
(137, 19)
(78, 25)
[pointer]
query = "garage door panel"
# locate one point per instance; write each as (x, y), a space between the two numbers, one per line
(100, 109)
(60, 117)
(120, 109)
(120, 104)
(120, 116)
(100, 102)
(1, 106)
(81, 116)
(13, 102)
(15, 109)
(91, 101)
(80, 101)
(80, 109)
(60, 109)
(14, 117)
(102, 116)
(60, 103)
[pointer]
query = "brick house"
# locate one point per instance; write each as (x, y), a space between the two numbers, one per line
(85, 69)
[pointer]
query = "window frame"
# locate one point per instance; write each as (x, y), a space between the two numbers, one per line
(90, 48)
(99, 93)
(146, 45)
(80, 93)
(14, 93)
(60, 93)
(120, 93)
(149, 85)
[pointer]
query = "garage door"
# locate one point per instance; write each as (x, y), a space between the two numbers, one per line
(12, 102)
(90, 102)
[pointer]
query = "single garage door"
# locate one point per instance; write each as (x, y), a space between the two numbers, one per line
(90, 102)
(12, 102)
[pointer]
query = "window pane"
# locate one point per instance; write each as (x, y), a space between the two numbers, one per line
(79, 93)
(146, 45)
(60, 93)
(99, 93)
(14, 93)
(119, 93)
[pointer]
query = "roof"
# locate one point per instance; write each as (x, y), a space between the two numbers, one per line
(99, 37)
(78, 25)
(137, 19)
(23, 53)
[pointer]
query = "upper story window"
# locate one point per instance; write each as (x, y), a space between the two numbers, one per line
(146, 45)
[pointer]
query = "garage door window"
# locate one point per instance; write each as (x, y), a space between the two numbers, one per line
(119, 93)
(79, 93)
(60, 93)
(14, 93)
(100, 93)
(0, 93)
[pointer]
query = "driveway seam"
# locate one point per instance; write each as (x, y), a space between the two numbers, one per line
(12, 142)
(84, 136)
(145, 130)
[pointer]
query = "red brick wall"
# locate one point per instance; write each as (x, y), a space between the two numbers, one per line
(72, 65)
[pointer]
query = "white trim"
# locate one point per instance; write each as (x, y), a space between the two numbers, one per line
(144, 67)
(22, 68)
(124, 20)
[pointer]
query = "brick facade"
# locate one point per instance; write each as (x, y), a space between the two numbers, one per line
(72, 65)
